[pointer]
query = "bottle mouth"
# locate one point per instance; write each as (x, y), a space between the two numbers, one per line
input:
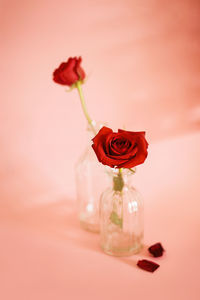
(115, 171)
(96, 125)
(93, 123)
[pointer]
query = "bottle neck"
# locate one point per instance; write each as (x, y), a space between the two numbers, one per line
(90, 133)
(120, 178)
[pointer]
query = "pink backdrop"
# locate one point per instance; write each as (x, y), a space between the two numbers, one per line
(142, 59)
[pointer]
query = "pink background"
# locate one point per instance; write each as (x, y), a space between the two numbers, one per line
(142, 59)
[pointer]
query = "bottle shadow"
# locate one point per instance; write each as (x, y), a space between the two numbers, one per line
(133, 259)
(59, 221)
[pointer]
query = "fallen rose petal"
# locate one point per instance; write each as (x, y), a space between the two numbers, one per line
(156, 250)
(147, 265)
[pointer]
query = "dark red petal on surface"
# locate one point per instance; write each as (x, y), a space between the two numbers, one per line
(156, 250)
(147, 265)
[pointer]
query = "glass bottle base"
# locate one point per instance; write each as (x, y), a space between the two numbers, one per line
(119, 243)
(89, 226)
(122, 252)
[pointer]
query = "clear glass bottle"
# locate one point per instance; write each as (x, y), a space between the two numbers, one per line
(91, 180)
(121, 216)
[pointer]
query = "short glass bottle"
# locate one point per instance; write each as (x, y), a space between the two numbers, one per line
(121, 216)
(91, 180)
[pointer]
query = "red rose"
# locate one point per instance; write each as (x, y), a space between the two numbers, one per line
(122, 149)
(69, 72)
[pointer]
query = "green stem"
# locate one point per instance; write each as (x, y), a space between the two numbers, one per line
(133, 171)
(122, 209)
(79, 88)
(118, 182)
(121, 177)
(120, 171)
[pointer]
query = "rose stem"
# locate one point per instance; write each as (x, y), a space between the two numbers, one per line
(79, 88)
(121, 175)
(120, 171)
(133, 171)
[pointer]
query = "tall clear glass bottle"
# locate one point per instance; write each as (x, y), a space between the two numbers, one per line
(90, 182)
(121, 216)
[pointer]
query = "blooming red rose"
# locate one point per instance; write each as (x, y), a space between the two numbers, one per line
(122, 149)
(147, 265)
(69, 72)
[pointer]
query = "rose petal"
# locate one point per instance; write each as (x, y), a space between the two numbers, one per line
(147, 265)
(156, 250)
(104, 131)
(80, 72)
(135, 133)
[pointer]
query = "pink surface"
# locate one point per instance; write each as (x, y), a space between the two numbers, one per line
(45, 254)
(143, 64)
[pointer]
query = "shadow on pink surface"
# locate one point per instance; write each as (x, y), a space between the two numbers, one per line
(58, 220)
(45, 252)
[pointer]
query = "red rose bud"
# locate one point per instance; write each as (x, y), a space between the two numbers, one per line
(156, 250)
(147, 265)
(122, 149)
(69, 72)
